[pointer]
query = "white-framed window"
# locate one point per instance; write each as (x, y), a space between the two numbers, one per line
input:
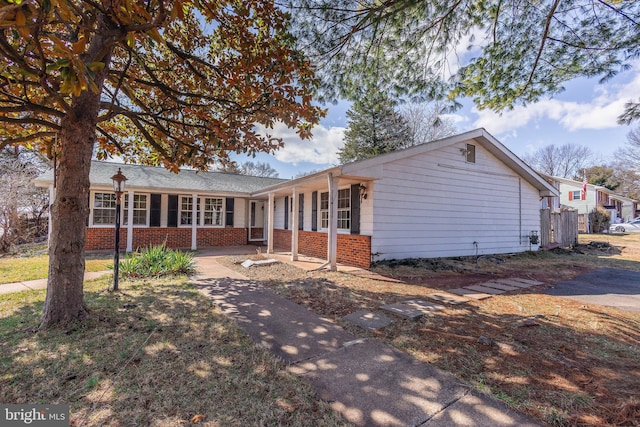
(344, 209)
(140, 209)
(104, 208)
(324, 210)
(186, 210)
(213, 211)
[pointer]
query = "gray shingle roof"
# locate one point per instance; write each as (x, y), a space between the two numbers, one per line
(139, 176)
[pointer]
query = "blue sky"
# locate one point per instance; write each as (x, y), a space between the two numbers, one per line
(584, 114)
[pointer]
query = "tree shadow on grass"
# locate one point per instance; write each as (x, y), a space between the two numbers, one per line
(155, 353)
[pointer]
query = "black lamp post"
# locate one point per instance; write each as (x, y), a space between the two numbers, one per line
(118, 188)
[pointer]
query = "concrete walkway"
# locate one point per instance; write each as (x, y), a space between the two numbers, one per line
(367, 381)
(30, 285)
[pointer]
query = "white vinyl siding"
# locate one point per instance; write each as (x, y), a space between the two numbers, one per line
(437, 205)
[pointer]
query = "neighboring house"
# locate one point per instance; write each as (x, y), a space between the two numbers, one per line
(572, 195)
(458, 196)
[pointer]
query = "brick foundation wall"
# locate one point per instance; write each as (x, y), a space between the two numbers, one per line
(103, 238)
(353, 249)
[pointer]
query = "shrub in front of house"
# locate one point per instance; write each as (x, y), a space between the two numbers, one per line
(599, 218)
(156, 261)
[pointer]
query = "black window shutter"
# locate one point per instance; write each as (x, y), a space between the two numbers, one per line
(314, 211)
(172, 211)
(286, 212)
(229, 211)
(301, 212)
(355, 209)
(156, 204)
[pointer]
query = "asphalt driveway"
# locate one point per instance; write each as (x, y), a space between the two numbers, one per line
(606, 286)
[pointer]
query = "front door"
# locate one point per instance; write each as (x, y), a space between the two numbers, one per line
(257, 232)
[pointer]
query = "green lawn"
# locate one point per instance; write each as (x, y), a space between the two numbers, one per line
(18, 269)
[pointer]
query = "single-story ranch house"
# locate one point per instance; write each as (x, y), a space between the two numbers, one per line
(458, 196)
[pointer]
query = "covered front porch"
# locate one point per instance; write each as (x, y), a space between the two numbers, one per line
(329, 227)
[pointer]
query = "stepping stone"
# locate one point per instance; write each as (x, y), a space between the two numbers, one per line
(470, 294)
(530, 282)
(447, 298)
(404, 311)
(512, 282)
(367, 320)
(485, 290)
(424, 306)
(500, 286)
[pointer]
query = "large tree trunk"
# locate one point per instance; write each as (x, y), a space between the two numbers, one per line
(70, 209)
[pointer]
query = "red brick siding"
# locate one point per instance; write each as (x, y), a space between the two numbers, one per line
(353, 249)
(208, 237)
(257, 233)
(103, 238)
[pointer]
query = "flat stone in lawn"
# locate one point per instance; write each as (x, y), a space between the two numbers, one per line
(424, 306)
(500, 286)
(447, 298)
(527, 281)
(404, 311)
(368, 320)
(469, 293)
(484, 289)
(513, 282)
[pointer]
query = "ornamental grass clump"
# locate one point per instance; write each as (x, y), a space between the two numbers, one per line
(157, 261)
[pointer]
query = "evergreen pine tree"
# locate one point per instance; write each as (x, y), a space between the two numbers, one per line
(374, 128)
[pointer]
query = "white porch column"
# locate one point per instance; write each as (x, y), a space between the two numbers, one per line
(130, 222)
(270, 221)
(294, 225)
(194, 223)
(332, 243)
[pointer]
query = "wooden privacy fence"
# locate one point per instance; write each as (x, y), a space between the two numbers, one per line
(558, 227)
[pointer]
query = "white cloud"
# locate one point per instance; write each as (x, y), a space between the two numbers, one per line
(321, 149)
(601, 112)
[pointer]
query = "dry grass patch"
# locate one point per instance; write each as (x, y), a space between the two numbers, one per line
(157, 353)
(561, 361)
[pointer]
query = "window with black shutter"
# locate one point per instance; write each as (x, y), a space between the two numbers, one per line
(156, 209)
(314, 211)
(172, 211)
(301, 212)
(230, 203)
(286, 212)
(355, 209)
